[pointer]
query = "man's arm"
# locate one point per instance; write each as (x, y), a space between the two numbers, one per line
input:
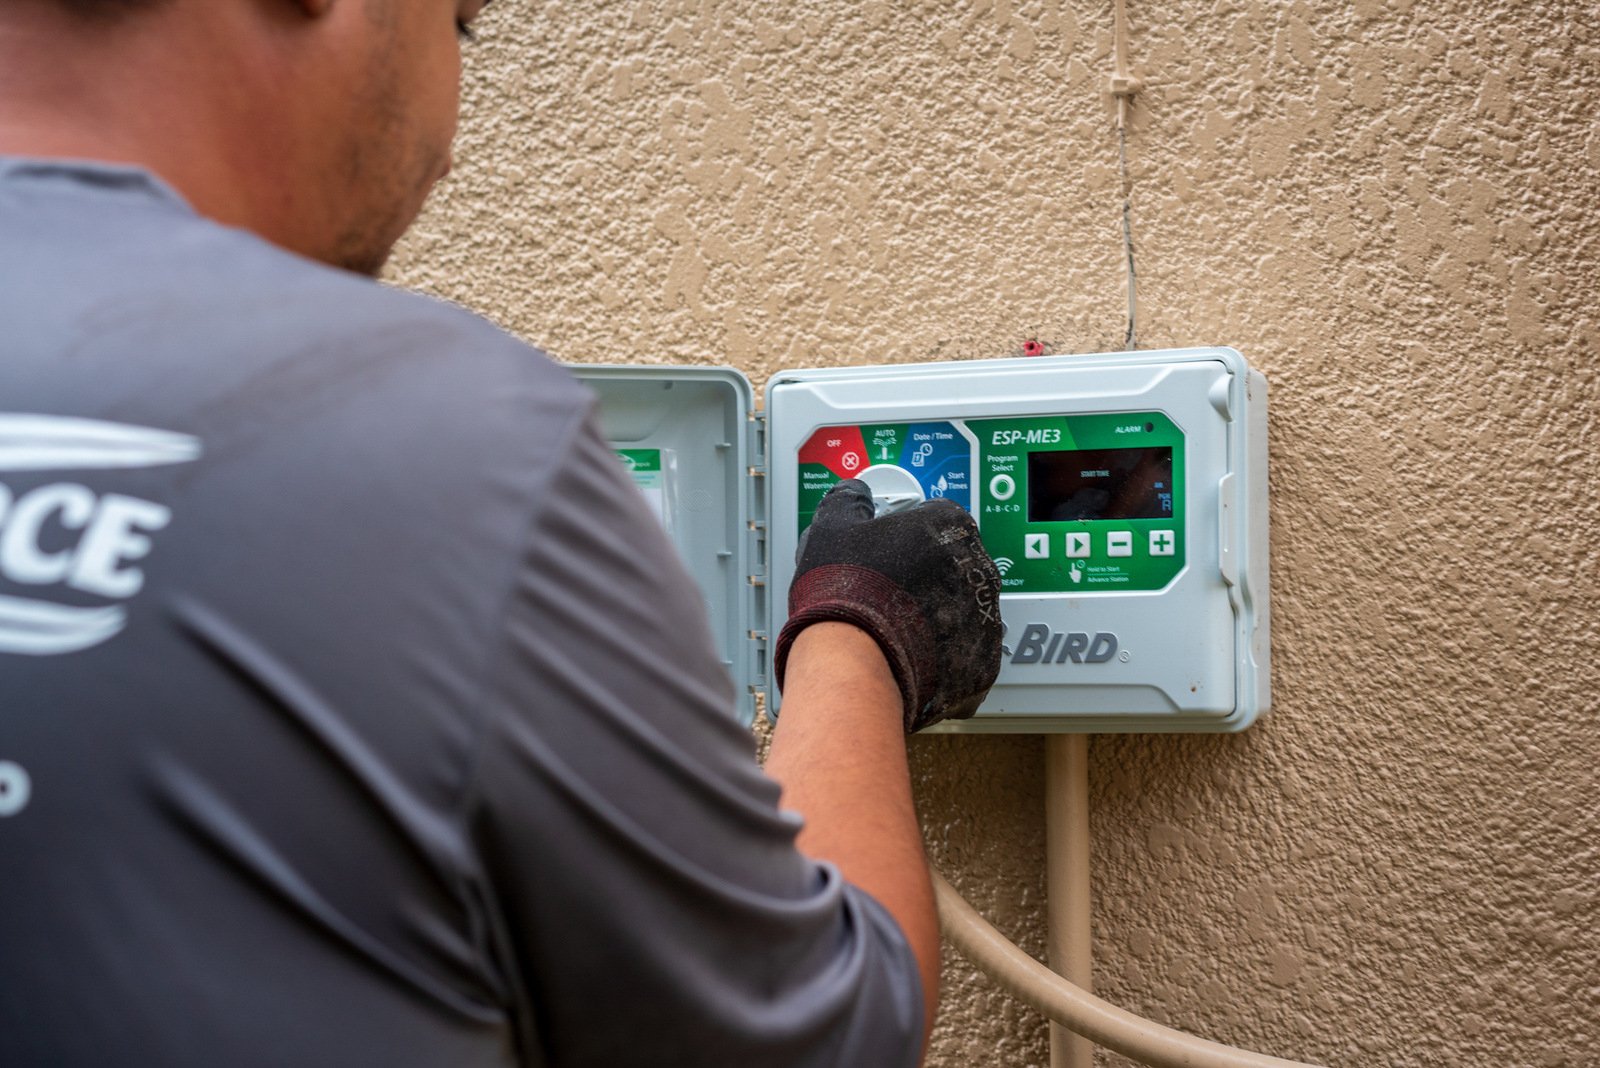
(894, 624)
(839, 752)
(633, 851)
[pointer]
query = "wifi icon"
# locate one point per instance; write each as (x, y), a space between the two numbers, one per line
(1003, 563)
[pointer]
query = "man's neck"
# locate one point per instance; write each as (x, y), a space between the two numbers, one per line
(123, 91)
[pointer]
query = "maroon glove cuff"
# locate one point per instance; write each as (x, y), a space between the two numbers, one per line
(844, 593)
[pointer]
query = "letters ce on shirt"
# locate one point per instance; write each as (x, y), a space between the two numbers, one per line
(68, 548)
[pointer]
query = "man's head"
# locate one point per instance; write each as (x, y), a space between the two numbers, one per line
(386, 123)
(319, 124)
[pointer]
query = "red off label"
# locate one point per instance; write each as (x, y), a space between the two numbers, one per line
(838, 448)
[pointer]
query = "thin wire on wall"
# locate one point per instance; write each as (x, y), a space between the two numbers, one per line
(1123, 86)
(1130, 341)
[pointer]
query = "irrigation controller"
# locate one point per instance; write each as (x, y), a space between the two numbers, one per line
(1123, 497)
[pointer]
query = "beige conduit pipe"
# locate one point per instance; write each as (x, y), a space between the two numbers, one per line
(1073, 1007)
(1065, 1003)
(1067, 885)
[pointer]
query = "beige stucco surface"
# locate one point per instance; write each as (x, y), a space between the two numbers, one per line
(1393, 208)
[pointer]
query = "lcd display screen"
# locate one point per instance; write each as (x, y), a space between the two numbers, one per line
(1100, 484)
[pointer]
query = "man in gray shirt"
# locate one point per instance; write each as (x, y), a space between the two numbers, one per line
(352, 709)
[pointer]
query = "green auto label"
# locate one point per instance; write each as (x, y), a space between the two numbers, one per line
(1089, 503)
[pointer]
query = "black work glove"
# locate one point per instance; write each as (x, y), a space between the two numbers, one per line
(918, 581)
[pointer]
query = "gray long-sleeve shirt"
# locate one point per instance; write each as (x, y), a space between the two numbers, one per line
(353, 710)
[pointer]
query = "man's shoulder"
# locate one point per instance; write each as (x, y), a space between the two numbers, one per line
(115, 258)
(347, 317)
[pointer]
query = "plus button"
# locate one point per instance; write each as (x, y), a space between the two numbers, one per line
(1162, 543)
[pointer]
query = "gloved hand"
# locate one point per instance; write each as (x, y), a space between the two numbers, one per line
(919, 582)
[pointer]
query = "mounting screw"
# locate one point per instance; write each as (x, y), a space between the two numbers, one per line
(1033, 347)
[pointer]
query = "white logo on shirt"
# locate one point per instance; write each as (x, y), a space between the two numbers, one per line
(112, 530)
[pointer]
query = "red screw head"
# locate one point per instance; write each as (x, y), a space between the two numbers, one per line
(1032, 348)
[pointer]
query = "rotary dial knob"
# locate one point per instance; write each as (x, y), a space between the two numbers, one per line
(894, 489)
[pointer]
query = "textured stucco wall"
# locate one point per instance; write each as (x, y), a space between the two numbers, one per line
(1390, 207)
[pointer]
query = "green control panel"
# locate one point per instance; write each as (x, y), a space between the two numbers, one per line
(1082, 502)
(1065, 503)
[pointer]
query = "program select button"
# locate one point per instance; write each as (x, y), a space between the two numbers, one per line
(1001, 487)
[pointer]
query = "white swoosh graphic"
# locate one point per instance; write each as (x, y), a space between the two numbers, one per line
(57, 442)
(38, 628)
